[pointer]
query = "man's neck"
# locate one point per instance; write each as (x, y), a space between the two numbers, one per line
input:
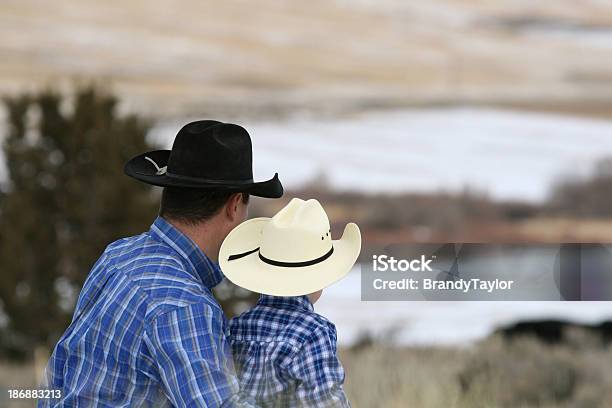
(204, 234)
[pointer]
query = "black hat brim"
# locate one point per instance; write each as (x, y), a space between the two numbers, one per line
(144, 170)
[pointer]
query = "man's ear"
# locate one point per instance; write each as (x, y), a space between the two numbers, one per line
(231, 207)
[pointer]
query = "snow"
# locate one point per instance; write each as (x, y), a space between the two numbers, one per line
(511, 155)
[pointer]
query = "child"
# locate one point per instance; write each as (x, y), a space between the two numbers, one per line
(285, 353)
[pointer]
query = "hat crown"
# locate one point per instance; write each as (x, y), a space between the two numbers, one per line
(297, 233)
(212, 150)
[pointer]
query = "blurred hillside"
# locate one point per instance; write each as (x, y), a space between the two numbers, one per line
(195, 57)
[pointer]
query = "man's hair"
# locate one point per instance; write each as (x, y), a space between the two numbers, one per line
(192, 205)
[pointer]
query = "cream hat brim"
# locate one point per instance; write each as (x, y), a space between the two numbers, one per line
(251, 273)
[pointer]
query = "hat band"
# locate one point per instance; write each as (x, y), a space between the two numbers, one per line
(209, 181)
(273, 262)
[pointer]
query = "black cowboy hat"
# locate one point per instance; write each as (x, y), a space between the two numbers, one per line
(206, 154)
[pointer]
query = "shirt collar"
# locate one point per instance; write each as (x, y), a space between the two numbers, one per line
(208, 271)
(286, 302)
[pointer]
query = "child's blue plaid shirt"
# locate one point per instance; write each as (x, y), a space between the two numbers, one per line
(147, 330)
(285, 355)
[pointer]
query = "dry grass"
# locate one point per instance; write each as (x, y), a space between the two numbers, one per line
(386, 377)
(493, 373)
(524, 373)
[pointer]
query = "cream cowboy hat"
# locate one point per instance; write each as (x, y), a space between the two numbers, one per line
(290, 254)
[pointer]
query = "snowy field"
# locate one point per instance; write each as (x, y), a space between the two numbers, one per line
(512, 155)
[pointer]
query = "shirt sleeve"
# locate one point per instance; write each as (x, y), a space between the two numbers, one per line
(193, 357)
(319, 373)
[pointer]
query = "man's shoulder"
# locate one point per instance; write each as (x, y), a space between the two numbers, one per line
(144, 255)
(157, 270)
(142, 246)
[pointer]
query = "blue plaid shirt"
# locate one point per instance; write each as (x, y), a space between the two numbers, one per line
(285, 354)
(146, 330)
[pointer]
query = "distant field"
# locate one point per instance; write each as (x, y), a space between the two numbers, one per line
(195, 57)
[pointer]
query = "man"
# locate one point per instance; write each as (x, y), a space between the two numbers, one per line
(147, 330)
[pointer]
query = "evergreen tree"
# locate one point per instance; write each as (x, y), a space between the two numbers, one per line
(64, 200)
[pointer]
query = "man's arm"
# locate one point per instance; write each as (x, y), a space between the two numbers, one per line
(193, 357)
(319, 372)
